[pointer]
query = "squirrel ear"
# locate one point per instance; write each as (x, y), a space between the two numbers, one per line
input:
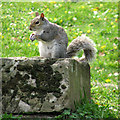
(42, 16)
(37, 14)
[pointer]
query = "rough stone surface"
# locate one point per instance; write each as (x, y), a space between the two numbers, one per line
(42, 85)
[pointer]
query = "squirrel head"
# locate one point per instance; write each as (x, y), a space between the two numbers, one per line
(38, 22)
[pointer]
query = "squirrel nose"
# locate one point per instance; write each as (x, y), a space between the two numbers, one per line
(30, 28)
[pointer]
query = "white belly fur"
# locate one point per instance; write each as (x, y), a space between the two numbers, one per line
(46, 48)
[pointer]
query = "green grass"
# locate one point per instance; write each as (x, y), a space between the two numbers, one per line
(10, 117)
(76, 19)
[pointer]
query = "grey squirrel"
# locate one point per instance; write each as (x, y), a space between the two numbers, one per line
(53, 40)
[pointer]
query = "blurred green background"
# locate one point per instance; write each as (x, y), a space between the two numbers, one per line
(98, 20)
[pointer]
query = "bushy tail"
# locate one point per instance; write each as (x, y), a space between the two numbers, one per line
(82, 42)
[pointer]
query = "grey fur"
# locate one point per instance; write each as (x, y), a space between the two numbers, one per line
(82, 42)
(49, 33)
(53, 41)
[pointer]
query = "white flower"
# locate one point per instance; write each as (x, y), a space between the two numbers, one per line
(12, 24)
(95, 12)
(116, 16)
(111, 108)
(74, 18)
(56, 6)
(116, 74)
(105, 18)
(105, 12)
(115, 109)
(110, 74)
(69, 12)
(31, 12)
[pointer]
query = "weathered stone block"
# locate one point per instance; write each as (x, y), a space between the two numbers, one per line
(42, 85)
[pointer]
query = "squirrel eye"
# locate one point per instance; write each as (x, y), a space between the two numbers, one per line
(37, 22)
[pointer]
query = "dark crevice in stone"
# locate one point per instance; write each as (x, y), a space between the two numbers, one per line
(57, 95)
(7, 70)
(26, 76)
(14, 93)
(50, 61)
(63, 86)
(24, 67)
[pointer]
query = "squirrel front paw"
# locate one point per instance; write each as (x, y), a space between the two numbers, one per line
(32, 37)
